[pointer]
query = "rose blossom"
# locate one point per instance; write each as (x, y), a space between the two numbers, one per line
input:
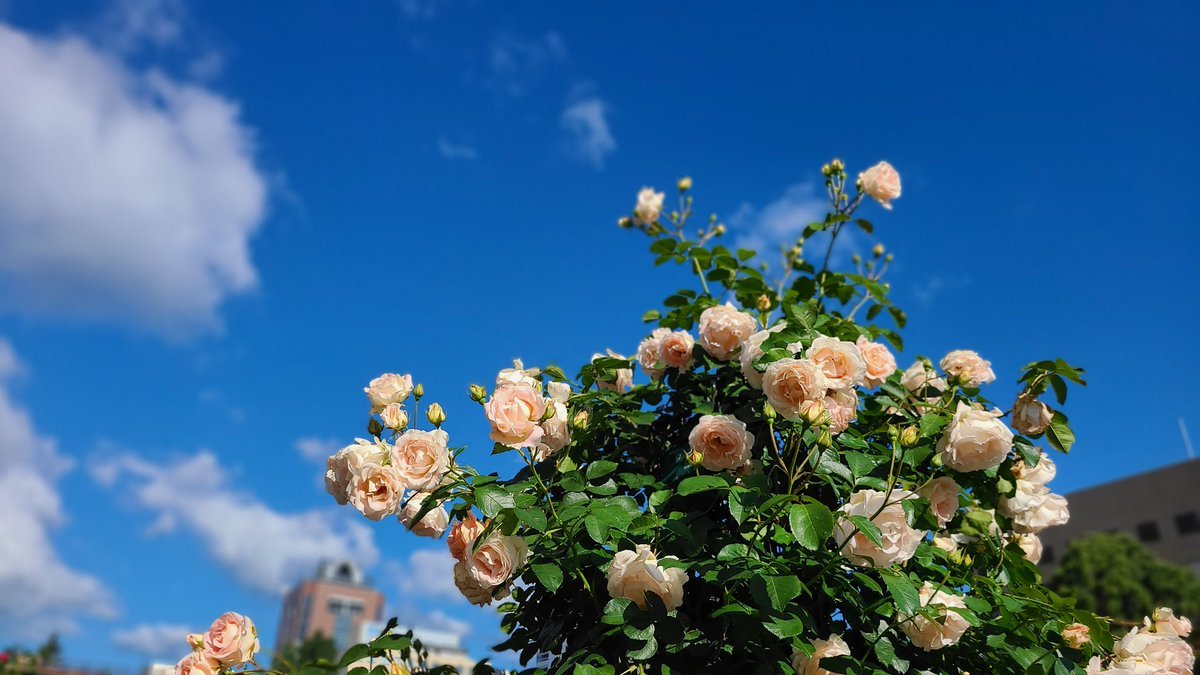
(462, 534)
(935, 634)
(623, 377)
(879, 361)
(900, 540)
(432, 525)
(1142, 651)
(633, 574)
(842, 406)
(839, 360)
(388, 388)
(340, 467)
(1165, 621)
(394, 416)
(518, 375)
(1030, 545)
(649, 353)
(196, 663)
(789, 383)
(676, 349)
(947, 544)
(968, 367)
(1030, 416)
(421, 458)
(1026, 495)
(942, 493)
(1076, 635)
(723, 329)
(375, 490)
(751, 350)
(493, 561)
(231, 640)
(556, 431)
(804, 664)
(1049, 512)
(917, 377)
(881, 183)
(472, 590)
(723, 442)
(514, 412)
(1041, 473)
(974, 440)
(649, 206)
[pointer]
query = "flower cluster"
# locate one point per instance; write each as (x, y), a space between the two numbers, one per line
(1158, 646)
(231, 642)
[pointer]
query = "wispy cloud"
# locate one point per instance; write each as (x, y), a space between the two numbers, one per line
(782, 221)
(427, 573)
(420, 9)
(587, 135)
(129, 24)
(515, 63)
(317, 449)
(158, 640)
(451, 150)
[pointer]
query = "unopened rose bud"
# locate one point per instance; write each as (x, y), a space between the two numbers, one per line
(720, 230)
(812, 411)
(580, 419)
(826, 170)
(797, 251)
(837, 165)
(419, 391)
(889, 258)
(764, 303)
(937, 460)
(478, 393)
(1076, 635)
(909, 437)
(769, 412)
(878, 250)
(825, 439)
(684, 184)
(550, 412)
(856, 258)
(435, 415)
(695, 458)
(394, 416)
(625, 223)
(961, 557)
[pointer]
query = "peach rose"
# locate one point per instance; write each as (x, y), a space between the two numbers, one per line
(633, 574)
(1165, 621)
(1041, 473)
(1050, 511)
(556, 431)
(394, 416)
(942, 493)
(918, 378)
(751, 350)
(1076, 635)
(1030, 417)
(340, 467)
(231, 640)
(723, 329)
(879, 360)
(514, 412)
(432, 525)
(840, 361)
(900, 540)
(881, 183)
(422, 458)
(493, 561)
(842, 406)
(462, 534)
(196, 663)
(1142, 651)
(472, 590)
(968, 368)
(375, 490)
(945, 543)
(1026, 495)
(974, 440)
(388, 388)
(790, 383)
(1030, 545)
(649, 206)
(947, 629)
(722, 441)
(623, 379)
(518, 374)
(804, 664)
(676, 349)
(649, 353)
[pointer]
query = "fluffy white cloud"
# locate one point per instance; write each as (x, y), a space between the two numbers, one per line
(586, 126)
(318, 449)
(515, 63)
(125, 196)
(428, 573)
(262, 548)
(39, 593)
(765, 228)
(166, 641)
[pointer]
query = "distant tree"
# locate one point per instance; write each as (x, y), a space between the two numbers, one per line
(50, 652)
(1114, 575)
(315, 647)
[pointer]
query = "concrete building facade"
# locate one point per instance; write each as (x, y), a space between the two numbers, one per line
(336, 602)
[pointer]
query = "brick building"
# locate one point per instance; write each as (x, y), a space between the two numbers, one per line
(336, 602)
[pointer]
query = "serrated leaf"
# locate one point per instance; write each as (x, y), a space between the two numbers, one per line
(776, 592)
(534, 518)
(698, 484)
(492, 499)
(869, 529)
(1059, 433)
(811, 524)
(903, 592)
(549, 575)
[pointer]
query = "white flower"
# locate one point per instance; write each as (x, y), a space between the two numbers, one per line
(929, 634)
(649, 206)
(388, 388)
(394, 416)
(1051, 511)
(431, 525)
(881, 183)
(1040, 474)
(633, 574)
(900, 540)
(751, 350)
(804, 664)
(974, 440)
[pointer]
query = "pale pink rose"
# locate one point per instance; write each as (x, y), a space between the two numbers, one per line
(790, 383)
(340, 467)
(649, 206)
(946, 543)
(196, 663)
(556, 431)
(917, 378)
(974, 440)
(676, 349)
(514, 412)
(840, 361)
(624, 376)
(968, 368)
(1040, 474)
(842, 406)
(518, 374)
(422, 458)
(723, 329)
(394, 416)
(900, 540)
(462, 534)
(432, 525)
(493, 561)
(942, 493)
(1030, 545)
(1076, 635)
(559, 392)
(231, 640)
(1030, 417)
(947, 629)
(1026, 495)
(1142, 651)
(472, 590)
(1051, 511)
(375, 490)
(881, 183)
(723, 442)
(879, 360)
(751, 350)
(633, 574)
(388, 388)
(1165, 621)
(649, 353)
(804, 664)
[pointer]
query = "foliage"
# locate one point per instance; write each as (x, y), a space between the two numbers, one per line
(316, 647)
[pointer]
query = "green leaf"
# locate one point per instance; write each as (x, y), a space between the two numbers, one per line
(1059, 434)
(776, 591)
(492, 499)
(549, 575)
(811, 524)
(355, 653)
(533, 517)
(733, 553)
(903, 592)
(651, 316)
(786, 628)
(600, 468)
(869, 530)
(698, 484)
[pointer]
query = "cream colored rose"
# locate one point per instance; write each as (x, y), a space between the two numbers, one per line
(649, 206)
(804, 664)
(231, 640)
(881, 183)
(518, 374)
(514, 412)
(196, 663)
(394, 416)
(623, 379)
(676, 349)
(340, 467)
(947, 544)
(918, 377)
(556, 431)
(388, 388)
(1030, 417)
(422, 458)
(432, 525)
(463, 534)
(1165, 621)
(723, 442)
(1051, 511)
(1142, 651)
(375, 490)
(1026, 495)
(974, 440)
(842, 406)
(879, 360)
(559, 391)
(649, 353)
(968, 368)
(789, 383)
(947, 629)
(472, 590)
(751, 350)
(900, 540)
(1076, 635)
(1030, 545)
(633, 574)
(942, 493)
(839, 360)
(1040, 474)
(493, 561)
(723, 329)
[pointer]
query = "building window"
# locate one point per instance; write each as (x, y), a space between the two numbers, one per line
(1187, 523)
(1148, 531)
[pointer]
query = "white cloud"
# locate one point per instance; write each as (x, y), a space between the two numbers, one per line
(317, 449)
(129, 23)
(782, 221)
(427, 573)
(451, 150)
(262, 548)
(515, 62)
(168, 641)
(125, 196)
(440, 620)
(420, 9)
(588, 136)
(39, 593)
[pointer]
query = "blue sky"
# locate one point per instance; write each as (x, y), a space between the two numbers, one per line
(219, 220)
